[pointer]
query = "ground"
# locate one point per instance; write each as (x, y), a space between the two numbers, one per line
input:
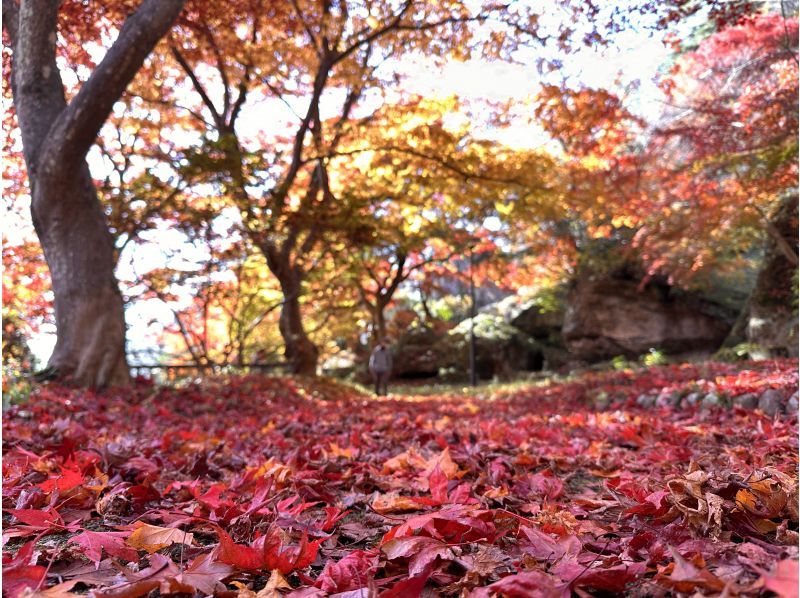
(271, 486)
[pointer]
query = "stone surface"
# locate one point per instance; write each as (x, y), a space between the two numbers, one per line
(693, 398)
(422, 353)
(770, 402)
(501, 351)
(711, 400)
(668, 399)
(746, 401)
(539, 323)
(609, 317)
(646, 401)
(792, 405)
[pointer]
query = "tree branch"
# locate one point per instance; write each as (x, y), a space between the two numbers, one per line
(198, 86)
(76, 128)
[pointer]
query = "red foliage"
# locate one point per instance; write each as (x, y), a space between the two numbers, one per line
(532, 491)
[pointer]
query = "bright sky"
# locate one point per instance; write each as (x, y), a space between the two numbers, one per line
(635, 57)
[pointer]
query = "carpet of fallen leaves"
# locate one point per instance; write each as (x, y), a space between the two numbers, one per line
(263, 487)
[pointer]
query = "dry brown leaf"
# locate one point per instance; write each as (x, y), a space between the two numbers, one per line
(392, 502)
(407, 460)
(446, 464)
(153, 538)
(275, 583)
(61, 590)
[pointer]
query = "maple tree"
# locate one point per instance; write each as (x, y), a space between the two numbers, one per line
(600, 178)
(402, 224)
(730, 143)
(331, 62)
(56, 136)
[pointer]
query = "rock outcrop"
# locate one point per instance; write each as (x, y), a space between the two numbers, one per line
(607, 317)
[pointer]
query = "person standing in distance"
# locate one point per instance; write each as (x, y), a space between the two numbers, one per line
(380, 364)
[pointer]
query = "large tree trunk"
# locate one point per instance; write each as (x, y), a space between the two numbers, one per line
(67, 216)
(300, 352)
(79, 250)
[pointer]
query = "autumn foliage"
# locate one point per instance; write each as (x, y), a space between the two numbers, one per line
(266, 486)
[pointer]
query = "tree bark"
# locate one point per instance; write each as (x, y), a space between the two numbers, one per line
(67, 215)
(90, 320)
(299, 351)
(772, 306)
(379, 321)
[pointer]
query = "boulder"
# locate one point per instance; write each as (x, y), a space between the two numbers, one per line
(646, 401)
(607, 317)
(712, 400)
(501, 350)
(542, 319)
(771, 402)
(693, 398)
(771, 317)
(668, 399)
(746, 401)
(792, 405)
(423, 352)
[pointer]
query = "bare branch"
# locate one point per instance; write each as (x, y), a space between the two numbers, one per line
(197, 86)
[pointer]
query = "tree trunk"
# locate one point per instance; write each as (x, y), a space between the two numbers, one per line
(67, 216)
(299, 351)
(79, 250)
(772, 317)
(379, 322)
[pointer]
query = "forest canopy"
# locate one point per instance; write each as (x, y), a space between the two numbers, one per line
(272, 181)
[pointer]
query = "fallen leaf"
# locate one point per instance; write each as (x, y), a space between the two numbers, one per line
(153, 538)
(783, 579)
(94, 544)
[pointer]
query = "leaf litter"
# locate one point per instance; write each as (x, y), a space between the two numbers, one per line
(266, 487)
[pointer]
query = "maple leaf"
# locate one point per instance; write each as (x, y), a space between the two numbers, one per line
(409, 459)
(612, 579)
(332, 515)
(411, 586)
(112, 543)
(451, 524)
(393, 502)
(546, 485)
(69, 478)
(577, 539)
(22, 573)
(350, 573)
(60, 590)
(528, 584)
(37, 521)
(437, 482)
(275, 584)
(153, 538)
(203, 575)
(783, 580)
(142, 582)
(544, 547)
(444, 463)
(266, 552)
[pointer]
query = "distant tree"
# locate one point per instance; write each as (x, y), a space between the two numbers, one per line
(328, 62)
(725, 157)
